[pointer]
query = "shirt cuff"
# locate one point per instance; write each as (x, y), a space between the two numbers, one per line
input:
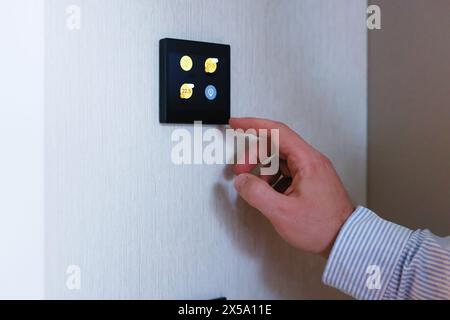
(364, 255)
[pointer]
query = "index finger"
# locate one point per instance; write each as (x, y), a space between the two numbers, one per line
(290, 143)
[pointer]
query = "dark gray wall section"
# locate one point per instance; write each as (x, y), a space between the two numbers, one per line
(409, 114)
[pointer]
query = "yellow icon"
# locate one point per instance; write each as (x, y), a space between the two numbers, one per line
(186, 91)
(186, 63)
(211, 65)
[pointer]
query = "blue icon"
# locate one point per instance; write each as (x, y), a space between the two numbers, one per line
(211, 92)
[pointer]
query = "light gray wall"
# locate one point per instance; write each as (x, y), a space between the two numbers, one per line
(141, 227)
(409, 127)
(22, 149)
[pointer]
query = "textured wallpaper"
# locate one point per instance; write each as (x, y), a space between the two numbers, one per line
(138, 226)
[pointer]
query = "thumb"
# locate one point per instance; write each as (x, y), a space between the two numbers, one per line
(259, 194)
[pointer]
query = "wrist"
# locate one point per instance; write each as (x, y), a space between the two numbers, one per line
(342, 218)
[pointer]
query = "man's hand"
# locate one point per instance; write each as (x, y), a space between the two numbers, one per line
(310, 214)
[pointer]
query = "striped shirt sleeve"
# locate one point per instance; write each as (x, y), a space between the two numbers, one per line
(375, 259)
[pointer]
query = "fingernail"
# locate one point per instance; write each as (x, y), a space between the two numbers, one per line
(240, 181)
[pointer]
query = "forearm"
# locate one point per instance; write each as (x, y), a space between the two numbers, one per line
(376, 259)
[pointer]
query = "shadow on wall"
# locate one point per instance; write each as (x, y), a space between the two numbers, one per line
(286, 270)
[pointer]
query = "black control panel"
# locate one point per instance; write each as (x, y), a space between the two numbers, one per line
(194, 82)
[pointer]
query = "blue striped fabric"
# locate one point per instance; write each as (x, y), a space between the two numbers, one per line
(375, 259)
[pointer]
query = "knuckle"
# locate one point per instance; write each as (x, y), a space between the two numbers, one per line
(318, 158)
(325, 160)
(317, 162)
(280, 125)
(285, 127)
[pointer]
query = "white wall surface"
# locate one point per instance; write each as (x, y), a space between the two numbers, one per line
(21, 149)
(139, 226)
